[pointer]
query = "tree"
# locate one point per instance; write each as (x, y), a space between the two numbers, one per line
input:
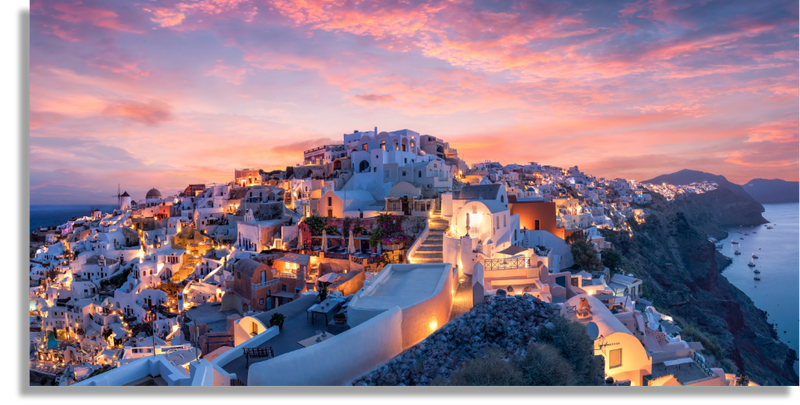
(316, 224)
(490, 370)
(611, 258)
(571, 340)
(543, 365)
(584, 255)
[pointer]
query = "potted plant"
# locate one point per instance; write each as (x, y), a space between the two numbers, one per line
(277, 319)
(340, 318)
(323, 293)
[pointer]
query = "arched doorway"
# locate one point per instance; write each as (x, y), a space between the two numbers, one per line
(363, 166)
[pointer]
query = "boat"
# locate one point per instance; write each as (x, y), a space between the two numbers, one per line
(751, 264)
(769, 227)
(756, 271)
(747, 233)
(741, 238)
(754, 256)
(734, 242)
(755, 232)
(737, 252)
(720, 246)
(757, 278)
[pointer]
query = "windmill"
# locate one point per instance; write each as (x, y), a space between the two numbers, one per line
(119, 195)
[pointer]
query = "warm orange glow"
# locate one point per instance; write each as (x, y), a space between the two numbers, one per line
(433, 325)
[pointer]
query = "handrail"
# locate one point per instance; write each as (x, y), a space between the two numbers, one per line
(420, 239)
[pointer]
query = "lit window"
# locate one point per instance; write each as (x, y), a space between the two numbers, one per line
(615, 358)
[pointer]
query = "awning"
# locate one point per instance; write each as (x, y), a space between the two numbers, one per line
(512, 250)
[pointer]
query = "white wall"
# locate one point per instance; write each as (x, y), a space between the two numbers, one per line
(338, 360)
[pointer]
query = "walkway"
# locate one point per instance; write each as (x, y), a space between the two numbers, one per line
(296, 328)
(430, 251)
(462, 301)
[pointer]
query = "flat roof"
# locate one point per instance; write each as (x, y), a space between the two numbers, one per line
(295, 258)
(402, 286)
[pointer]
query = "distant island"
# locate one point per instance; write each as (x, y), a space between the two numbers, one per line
(765, 191)
(773, 191)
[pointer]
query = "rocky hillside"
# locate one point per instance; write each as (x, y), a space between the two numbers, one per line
(504, 323)
(681, 271)
(774, 191)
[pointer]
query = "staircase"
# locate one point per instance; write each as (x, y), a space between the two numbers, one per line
(430, 251)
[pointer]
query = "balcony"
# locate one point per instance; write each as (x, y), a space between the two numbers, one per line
(265, 284)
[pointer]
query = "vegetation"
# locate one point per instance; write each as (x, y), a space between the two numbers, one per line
(710, 344)
(611, 258)
(543, 365)
(490, 370)
(571, 340)
(117, 281)
(277, 319)
(317, 224)
(584, 255)
(340, 315)
(387, 231)
(171, 289)
(323, 293)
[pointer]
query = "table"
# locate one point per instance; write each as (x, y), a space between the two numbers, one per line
(313, 340)
(325, 308)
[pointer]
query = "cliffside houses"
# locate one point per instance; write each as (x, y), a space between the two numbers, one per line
(321, 272)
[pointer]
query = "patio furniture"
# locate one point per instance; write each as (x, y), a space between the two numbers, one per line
(325, 308)
(257, 353)
(322, 336)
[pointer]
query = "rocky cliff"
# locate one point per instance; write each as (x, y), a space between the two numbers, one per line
(681, 272)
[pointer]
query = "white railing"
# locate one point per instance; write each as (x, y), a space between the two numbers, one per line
(264, 284)
(420, 239)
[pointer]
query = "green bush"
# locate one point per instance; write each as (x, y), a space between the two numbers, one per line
(490, 370)
(611, 258)
(584, 255)
(571, 340)
(544, 365)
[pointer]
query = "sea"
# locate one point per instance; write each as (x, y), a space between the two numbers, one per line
(49, 215)
(778, 252)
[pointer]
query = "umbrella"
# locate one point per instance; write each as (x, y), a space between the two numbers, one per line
(328, 278)
(351, 246)
(299, 238)
(324, 240)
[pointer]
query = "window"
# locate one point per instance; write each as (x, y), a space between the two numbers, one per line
(283, 287)
(260, 302)
(330, 203)
(536, 225)
(497, 221)
(238, 275)
(404, 173)
(505, 220)
(574, 282)
(615, 358)
(501, 199)
(364, 146)
(405, 160)
(419, 173)
(253, 326)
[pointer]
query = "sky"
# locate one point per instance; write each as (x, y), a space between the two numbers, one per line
(166, 93)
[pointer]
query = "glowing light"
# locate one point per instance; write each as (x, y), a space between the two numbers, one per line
(433, 325)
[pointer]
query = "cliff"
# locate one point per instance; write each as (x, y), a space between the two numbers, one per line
(774, 191)
(681, 272)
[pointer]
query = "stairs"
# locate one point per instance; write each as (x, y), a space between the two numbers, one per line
(430, 251)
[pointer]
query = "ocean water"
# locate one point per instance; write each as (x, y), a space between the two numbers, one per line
(779, 263)
(49, 215)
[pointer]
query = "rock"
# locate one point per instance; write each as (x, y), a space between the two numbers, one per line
(501, 293)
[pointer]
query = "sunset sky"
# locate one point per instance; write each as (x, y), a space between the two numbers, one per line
(166, 93)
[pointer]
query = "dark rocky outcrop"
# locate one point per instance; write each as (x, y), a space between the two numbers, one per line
(773, 191)
(507, 324)
(681, 272)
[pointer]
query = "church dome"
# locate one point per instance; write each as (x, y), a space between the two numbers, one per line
(153, 193)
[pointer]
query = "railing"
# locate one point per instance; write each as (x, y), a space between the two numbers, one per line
(287, 274)
(700, 362)
(506, 264)
(264, 284)
(420, 239)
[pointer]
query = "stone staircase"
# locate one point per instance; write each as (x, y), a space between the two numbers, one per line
(430, 251)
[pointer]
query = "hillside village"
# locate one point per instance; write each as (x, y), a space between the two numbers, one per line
(325, 272)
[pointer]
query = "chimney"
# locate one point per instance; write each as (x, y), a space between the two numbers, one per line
(376, 131)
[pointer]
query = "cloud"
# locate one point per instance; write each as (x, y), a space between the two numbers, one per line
(76, 12)
(230, 74)
(150, 113)
(379, 98)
